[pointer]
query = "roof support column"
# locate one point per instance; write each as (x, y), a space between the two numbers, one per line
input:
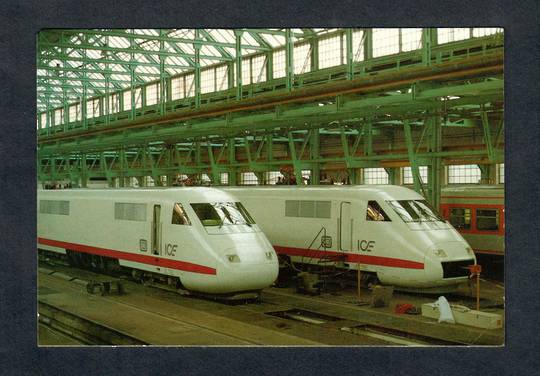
(64, 97)
(351, 172)
(162, 75)
(349, 57)
(487, 134)
(314, 45)
(435, 167)
(132, 67)
(296, 163)
(122, 172)
(84, 114)
(82, 103)
(230, 75)
(48, 113)
(232, 161)
(417, 181)
(269, 66)
(368, 138)
(269, 147)
(368, 44)
(213, 165)
(84, 171)
(314, 150)
(487, 171)
(238, 35)
(197, 47)
(289, 59)
(107, 75)
(426, 45)
(106, 99)
(393, 175)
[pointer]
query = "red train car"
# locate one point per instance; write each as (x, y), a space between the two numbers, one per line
(477, 212)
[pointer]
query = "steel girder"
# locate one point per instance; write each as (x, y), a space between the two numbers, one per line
(347, 110)
(52, 42)
(148, 148)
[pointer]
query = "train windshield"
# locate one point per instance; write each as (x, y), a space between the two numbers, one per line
(222, 214)
(415, 211)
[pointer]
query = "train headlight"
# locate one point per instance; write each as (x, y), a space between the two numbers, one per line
(269, 255)
(440, 253)
(233, 258)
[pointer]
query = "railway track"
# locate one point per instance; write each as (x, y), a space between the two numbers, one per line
(80, 329)
(319, 319)
(92, 332)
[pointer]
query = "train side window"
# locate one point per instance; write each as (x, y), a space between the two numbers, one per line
(487, 219)
(375, 213)
(460, 218)
(179, 215)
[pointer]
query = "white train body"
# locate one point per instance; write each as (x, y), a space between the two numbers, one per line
(139, 227)
(422, 252)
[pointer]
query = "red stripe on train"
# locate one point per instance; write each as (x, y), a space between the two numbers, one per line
(143, 259)
(351, 257)
(469, 197)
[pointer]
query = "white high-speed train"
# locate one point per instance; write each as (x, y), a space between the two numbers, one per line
(390, 232)
(203, 239)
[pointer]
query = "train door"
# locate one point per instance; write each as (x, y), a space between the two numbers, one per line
(345, 226)
(156, 230)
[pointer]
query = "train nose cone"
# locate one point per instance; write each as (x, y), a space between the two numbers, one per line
(252, 276)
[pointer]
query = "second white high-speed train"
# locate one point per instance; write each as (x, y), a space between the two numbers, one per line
(200, 239)
(390, 232)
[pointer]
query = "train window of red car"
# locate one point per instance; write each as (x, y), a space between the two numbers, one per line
(460, 218)
(179, 215)
(375, 213)
(487, 219)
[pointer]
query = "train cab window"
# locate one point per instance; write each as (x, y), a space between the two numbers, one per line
(222, 213)
(375, 213)
(245, 214)
(179, 215)
(415, 211)
(207, 214)
(487, 219)
(460, 218)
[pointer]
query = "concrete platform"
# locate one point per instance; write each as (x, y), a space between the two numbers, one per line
(342, 305)
(156, 322)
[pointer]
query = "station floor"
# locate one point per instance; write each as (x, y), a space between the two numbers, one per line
(160, 317)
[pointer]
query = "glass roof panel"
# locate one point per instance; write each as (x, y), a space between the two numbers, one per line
(209, 51)
(274, 40)
(247, 38)
(87, 63)
(118, 42)
(146, 31)
(187, 47)
(222, 35)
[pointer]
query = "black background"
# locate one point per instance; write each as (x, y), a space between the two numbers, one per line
(20, 21)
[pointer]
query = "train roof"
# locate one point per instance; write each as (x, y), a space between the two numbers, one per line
(473, 190)
(170, 193)
(349, 191)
